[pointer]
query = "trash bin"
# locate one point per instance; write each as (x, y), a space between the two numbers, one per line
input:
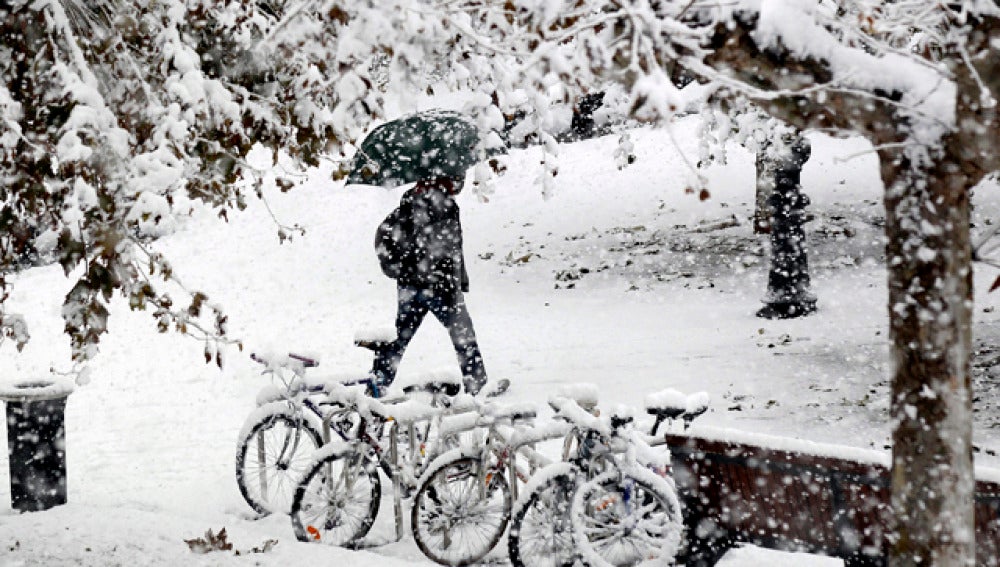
(36, 442)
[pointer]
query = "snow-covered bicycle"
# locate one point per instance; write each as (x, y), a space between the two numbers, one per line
(610, 501)
(338, 498)
(295, 416)
(462, 506)
(451, 532)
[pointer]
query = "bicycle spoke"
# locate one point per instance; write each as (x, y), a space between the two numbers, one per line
(553, 546)
(626, 523)
(456, 521)
(270, 461)
(544, 530)
(337, 504)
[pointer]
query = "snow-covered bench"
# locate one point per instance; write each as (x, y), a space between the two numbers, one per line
(797, 495)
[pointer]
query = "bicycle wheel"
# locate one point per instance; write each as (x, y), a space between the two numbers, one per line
(270, 457)
(459, 513)
(338, 498)
(541, 534)
(626, 519)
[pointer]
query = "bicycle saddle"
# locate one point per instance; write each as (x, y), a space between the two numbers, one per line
(665, 413)
(666, 404)
(619, 421)
(447, 388)
(436, 382)
(513, 412)
(374, 345)
(375, 338)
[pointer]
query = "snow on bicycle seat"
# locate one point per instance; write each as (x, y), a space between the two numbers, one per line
(584, 394)
(513, 412)
(444, 382)
(621, 415)
(569, 410)
(697, 404)
(666, 404)
(375, 338)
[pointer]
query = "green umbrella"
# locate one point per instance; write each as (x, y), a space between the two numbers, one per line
(434, 143)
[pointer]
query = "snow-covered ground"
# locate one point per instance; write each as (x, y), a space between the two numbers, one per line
(621, 279)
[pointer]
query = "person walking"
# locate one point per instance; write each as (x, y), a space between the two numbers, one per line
(420, 246)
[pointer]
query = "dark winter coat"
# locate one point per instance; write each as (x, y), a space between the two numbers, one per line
(433, 257)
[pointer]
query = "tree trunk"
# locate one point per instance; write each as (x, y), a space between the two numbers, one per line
(765, 186)
(930, 312)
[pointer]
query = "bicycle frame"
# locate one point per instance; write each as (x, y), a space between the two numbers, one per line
(594, 448)
(501, 451)
(290, 444)
(298, 394)
(370, 449)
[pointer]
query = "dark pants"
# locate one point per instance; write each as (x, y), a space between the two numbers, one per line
(449, 308)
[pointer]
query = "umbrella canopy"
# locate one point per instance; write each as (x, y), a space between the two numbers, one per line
(436, 143)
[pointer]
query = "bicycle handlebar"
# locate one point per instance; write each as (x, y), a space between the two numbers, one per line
(274, 360)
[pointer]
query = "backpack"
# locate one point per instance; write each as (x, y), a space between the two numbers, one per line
(391, 244)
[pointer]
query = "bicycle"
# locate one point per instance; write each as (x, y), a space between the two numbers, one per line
(574, 508)
(437, 524)
(338, 498)
(629, 513)
(462, 506)
(278, 439)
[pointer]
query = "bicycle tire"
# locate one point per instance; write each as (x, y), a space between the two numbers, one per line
(540, 533)
(268, 486)
(447, 509)
(321, 494)
(624, 519)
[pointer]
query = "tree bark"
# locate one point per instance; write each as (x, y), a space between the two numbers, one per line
(765, 187)
(930, 314)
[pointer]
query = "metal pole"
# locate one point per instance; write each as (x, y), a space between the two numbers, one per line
(396, 488)
(262, 463)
